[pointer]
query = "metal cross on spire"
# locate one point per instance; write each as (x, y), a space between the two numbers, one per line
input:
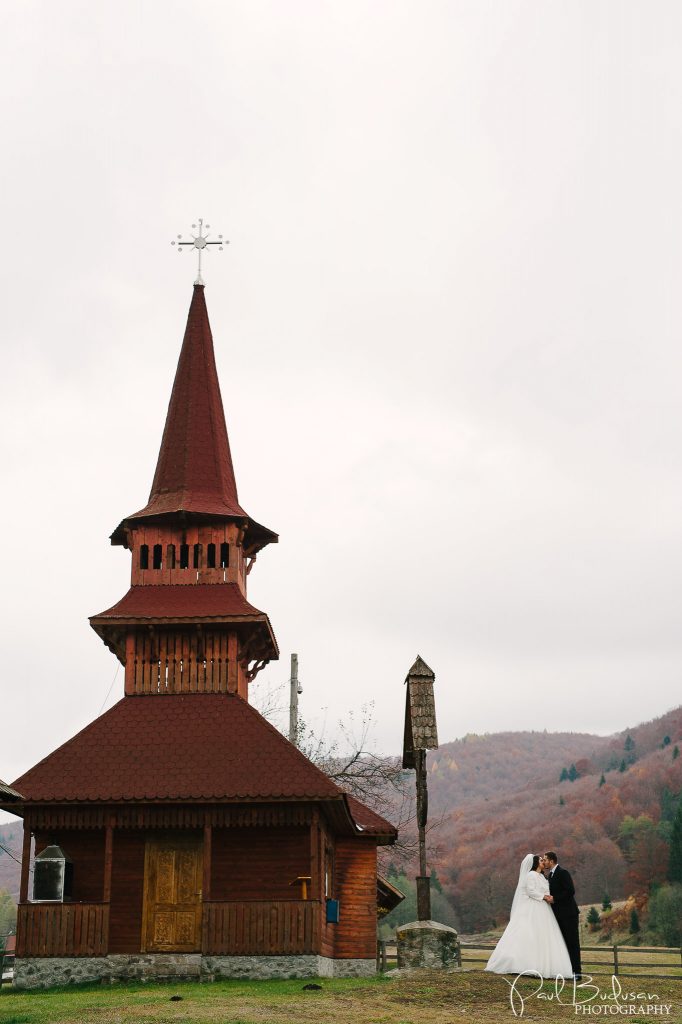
(200, 242)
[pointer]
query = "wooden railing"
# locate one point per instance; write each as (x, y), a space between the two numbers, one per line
(597, 961)
(237, 928)
(605, 961)
(62, 929)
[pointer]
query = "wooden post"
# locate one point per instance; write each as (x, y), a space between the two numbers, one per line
(206, 884)
(293, 700)
(420, 735)
(615, 960)
(315, 859)
(423, 880)
(108, 859)
(25, 864)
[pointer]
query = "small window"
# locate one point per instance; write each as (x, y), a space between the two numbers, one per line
(158, 557)
(144, 556)
(170, 556)
(224, 555)
(210, 556)
(197, 556)
(184, 556)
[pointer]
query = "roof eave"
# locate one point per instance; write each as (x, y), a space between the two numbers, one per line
(106, 625)
(341, 815)
(257, 535)
(7, 793)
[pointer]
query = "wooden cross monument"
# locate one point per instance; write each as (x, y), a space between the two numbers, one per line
(420, 735)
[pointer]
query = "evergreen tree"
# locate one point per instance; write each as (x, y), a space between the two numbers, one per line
(629, 743)
(675, 861)
(634, 922)
(602, 780)
(622, 767)
(441, 908)
(435, 882)
(561, 801)
(676, 752)
(606, 902)
(572, 773)
(593, 917)
(665, 914)
(666, 741)
(669, 803)
(564, 775)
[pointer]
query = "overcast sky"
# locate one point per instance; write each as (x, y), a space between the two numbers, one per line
(447, 329)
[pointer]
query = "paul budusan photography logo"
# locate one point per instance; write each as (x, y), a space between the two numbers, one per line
(587, 999)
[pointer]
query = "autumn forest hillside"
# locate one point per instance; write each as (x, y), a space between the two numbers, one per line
(606, 804)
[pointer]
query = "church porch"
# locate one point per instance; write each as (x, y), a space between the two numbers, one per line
(241, 890)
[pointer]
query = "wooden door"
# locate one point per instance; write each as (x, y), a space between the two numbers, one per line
(171, 920)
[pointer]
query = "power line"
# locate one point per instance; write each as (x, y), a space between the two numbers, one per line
(111, 684)
(16, 859)
(10, 854)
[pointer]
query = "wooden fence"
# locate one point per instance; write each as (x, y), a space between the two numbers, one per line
(662, 961)
(6, 959)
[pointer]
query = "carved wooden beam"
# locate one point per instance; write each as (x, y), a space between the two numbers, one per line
(252, 672)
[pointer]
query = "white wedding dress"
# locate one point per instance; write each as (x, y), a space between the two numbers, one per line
(532, 940)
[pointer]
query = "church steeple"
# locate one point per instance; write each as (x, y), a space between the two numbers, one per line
(194, 473)
(185, 625)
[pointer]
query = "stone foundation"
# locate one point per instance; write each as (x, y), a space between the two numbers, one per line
(264, 967)
(48, 972)
(427, 944)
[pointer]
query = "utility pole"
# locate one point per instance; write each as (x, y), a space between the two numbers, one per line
(293, 700)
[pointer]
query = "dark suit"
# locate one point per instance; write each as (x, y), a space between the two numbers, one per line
(566, 912)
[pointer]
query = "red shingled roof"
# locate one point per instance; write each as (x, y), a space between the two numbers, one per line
(177, 747)
(194, 472)
(368, 820)
(182, 601)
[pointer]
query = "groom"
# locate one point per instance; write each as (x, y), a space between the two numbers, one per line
(562, 900)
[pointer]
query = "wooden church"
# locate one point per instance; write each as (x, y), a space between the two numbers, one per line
(180, 834)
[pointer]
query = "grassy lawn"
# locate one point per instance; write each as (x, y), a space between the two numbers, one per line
(424, 998)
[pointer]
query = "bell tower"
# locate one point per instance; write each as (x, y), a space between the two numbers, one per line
(185, 625)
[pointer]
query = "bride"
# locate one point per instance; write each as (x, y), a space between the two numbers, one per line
(532, 940)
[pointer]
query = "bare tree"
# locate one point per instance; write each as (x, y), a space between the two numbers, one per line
(348, 759)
